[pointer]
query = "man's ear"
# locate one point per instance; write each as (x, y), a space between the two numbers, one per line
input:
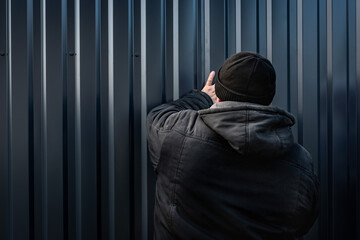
(218, 100)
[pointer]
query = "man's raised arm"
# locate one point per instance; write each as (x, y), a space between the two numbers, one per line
(161, 119)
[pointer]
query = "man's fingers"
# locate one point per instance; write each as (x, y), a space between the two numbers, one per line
(210, 79)
(209, 88)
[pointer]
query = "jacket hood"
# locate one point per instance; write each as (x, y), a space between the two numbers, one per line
(251, 129)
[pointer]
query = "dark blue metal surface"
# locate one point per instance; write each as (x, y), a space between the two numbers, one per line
(249, 25)
(88, 120)
(55, 55)
(19, 156)
(4, 176)
(187, 46)
(217, 36)
(308, 130)
(280, 52)
(122, 132)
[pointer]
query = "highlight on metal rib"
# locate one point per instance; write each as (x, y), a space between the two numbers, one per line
(111, 147)
(269, 30)
(207, 36)
(44, 120)
(176, 49)
(144, 207)
(300, 69)
(78, 162)
(9, 109)
(238, 25)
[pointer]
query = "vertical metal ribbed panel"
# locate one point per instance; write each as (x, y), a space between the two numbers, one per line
(18, 98)
(98, 116)
(323, 125)
(269, 29)
(340, 117)
(226, 29)
(73, 156)
(176, 49)
(307, 101)
(122, 117)
(249, 22)
(207, 37)
(188, 47)
(357, 159)
(30, 69)
(238, 25)
(261, 27)
(280, 53)
(132, 203)
(292, 56)
(144, 186)
(329, 86)
(88, 121)
(9, 112)
(77, 119)
(300, 69)
(65, 129)
(351, 89)
(217, 20)
(111, 154)
(4, 183)
(44, 122)
(53, 127)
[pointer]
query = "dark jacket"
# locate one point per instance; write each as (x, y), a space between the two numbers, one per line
(231, 171)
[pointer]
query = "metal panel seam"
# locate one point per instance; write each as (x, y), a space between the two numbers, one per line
(111, 147)
(207, 36)
(321, 165)
(98, 113)
(350, 160)
(175, 49)
(64, 112)
(300, 69)
(257, 27)
(357, 56)
(131, 116)
(44, 121)
(163, 49)
(201, 32)
(78, 161)
(30, 56)
(9, 108)
(144, 209)
(288, 57)
(329, 76)
(238, 25)
(269, 30)
(226, 30)
(195, 44)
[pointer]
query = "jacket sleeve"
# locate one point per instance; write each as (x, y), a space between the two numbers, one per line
(161, 120)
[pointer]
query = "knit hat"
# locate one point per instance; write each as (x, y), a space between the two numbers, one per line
(246, 77)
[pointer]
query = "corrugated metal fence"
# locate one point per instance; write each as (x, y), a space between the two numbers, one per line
(77, 78)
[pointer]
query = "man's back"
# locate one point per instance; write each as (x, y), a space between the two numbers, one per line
(227, 166)
(229, 172)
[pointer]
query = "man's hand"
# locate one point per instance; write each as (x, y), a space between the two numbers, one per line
(209, 88)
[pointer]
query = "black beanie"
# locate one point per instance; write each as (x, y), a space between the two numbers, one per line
(246, 77)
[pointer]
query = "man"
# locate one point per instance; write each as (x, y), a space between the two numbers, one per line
(226, 162)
